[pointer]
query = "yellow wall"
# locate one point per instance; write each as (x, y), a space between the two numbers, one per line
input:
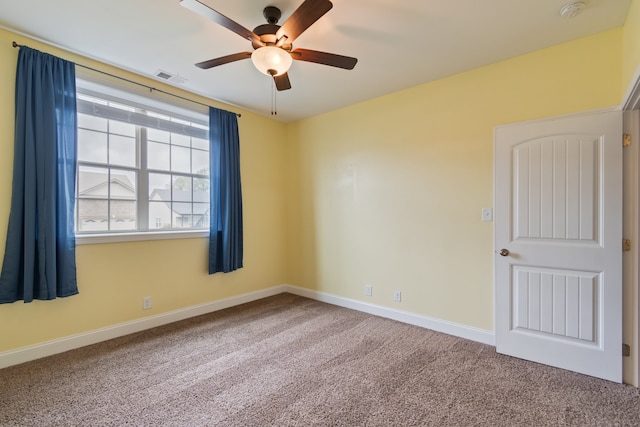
(113, 278)
(389, 192)
(631, 45)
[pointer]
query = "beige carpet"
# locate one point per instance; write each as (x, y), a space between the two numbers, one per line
(291, 361)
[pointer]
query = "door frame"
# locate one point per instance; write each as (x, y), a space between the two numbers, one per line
(631, 230)
(630, 106)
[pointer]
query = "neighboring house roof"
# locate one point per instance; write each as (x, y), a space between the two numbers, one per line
(199, 198)
(94, 184)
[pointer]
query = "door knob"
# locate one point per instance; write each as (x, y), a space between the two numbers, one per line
(504, 252)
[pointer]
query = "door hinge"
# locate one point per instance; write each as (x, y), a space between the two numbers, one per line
(626, 245)
(626, 350)
(626, 140)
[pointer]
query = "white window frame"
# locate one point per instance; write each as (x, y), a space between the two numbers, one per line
(88, 82)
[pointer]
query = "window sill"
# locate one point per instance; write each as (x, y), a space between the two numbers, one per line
(89, 239)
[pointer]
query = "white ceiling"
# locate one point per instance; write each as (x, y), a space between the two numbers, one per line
(398, 43)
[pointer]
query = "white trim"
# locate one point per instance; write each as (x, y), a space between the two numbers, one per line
(450, 328)
(90, 239)
(631, 218)
(60, 345)
(631, 99)
(48, 348)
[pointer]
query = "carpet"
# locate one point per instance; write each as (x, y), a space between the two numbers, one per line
(291, 361)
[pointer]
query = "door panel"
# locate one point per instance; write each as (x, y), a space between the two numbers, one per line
(556, 187)
(557, 302)
(559, 214)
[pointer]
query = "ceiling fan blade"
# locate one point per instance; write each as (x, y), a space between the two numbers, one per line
(324, 58)
(302, 18)
(282, 81)
(223, 60)
(200, 8)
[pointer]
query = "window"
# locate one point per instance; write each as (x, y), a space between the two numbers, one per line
(143, 165)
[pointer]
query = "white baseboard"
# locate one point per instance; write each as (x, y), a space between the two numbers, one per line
(48, 348)
(450, 328)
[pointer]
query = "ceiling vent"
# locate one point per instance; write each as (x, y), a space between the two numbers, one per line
(573, 9)
(173, 78)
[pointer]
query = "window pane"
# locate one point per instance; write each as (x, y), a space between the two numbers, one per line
(122, 150)
(158, 156)
(181, 215)
(201, 190)
(92, 215)
(200, 162)
(159, 215)
(92, 99)
(181, 121)
(181, 188)
(121, 106)
(180, 159)
(157, 135)
(200, 215)
(202, 144)
(201, 203)
(92, 182)
(158, 115)
(177, 139)
(122, 215)
(92, 146)
(121, 128)
(122, 185)
(160, 187)
(91, 122)
(106, 199)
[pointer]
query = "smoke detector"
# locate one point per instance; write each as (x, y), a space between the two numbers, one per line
(573, 9)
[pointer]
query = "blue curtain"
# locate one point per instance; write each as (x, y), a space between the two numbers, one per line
(39, 259)
(225, 235)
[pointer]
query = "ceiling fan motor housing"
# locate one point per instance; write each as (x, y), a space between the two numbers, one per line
(267, 32)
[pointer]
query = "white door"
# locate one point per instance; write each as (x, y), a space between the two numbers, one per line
(558, 224)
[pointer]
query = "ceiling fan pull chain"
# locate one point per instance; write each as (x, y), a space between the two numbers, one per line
(274, 111)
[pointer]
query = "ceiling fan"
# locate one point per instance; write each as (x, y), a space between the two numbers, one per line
(273, 50)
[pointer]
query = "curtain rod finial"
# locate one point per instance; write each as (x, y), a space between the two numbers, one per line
(14, 44)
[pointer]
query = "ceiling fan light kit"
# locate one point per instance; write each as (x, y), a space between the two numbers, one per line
(273, 50)
(271, 60)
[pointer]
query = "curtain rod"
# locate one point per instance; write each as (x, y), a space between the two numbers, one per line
(16, 45)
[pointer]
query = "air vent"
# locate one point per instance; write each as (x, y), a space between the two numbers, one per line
(173, 78)
(573, 9)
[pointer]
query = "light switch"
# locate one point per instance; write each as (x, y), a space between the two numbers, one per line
(487, 214)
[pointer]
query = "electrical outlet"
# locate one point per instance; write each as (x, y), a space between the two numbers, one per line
(368, 290)
(146, 303)
(397, 296)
